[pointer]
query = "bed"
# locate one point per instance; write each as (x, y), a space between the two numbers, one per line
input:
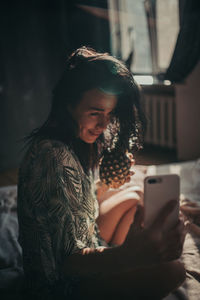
(11, 271)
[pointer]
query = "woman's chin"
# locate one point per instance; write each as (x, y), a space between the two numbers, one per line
(89, 140)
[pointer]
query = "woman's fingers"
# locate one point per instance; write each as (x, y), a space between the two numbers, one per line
(191, 227)
(190, 210)
(131, 173)
(128, 178)
(177, 233)
(130, 155)
(132, 162)
(163, 215)
(174, 246)
(172, 242)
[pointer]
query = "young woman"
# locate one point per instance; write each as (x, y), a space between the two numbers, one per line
(71, 251)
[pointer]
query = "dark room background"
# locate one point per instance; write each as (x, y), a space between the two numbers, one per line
(36, 37)
(35, 40)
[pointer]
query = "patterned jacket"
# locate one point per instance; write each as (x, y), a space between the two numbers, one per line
(57, 209)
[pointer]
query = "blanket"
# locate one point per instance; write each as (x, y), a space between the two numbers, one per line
(11, 271)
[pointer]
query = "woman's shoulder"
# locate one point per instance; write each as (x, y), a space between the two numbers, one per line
(49, 144)
(44, 145)
(52, 150)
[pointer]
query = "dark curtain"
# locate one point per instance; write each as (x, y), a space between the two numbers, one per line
(150, 10)
(187, 49)
(88, 24)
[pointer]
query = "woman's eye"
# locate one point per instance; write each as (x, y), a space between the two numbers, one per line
(111, 114)
(94, 114)
(97, 114)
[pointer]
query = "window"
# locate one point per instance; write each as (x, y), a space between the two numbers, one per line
(144, 32)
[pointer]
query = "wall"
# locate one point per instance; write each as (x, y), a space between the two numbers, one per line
(188, 116)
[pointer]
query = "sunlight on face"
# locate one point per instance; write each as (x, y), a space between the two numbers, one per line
(93, 114)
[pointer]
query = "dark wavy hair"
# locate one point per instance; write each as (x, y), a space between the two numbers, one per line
(87, 69)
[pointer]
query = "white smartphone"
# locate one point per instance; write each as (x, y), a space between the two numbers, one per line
(158, 190)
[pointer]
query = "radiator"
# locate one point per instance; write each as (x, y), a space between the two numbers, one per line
(161, 120)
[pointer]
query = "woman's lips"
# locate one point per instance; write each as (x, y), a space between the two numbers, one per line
(95, 133)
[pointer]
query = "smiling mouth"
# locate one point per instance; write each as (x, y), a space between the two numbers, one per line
(95, 134)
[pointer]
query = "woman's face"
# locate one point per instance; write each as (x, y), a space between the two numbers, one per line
(93, 114)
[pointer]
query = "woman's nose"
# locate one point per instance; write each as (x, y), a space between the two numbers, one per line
(103, 122)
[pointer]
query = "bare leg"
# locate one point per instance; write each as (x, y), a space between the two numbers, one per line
(148, 283)
(111, 213)
(123, 227)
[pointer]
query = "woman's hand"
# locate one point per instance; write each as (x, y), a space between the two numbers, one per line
(191, 214)
(101, 188)
(131, 173)
(148, 246)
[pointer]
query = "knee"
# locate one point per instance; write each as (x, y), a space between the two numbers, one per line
(127, 204)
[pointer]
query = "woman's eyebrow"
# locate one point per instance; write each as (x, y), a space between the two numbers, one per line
(96, 108)
(99, 109)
